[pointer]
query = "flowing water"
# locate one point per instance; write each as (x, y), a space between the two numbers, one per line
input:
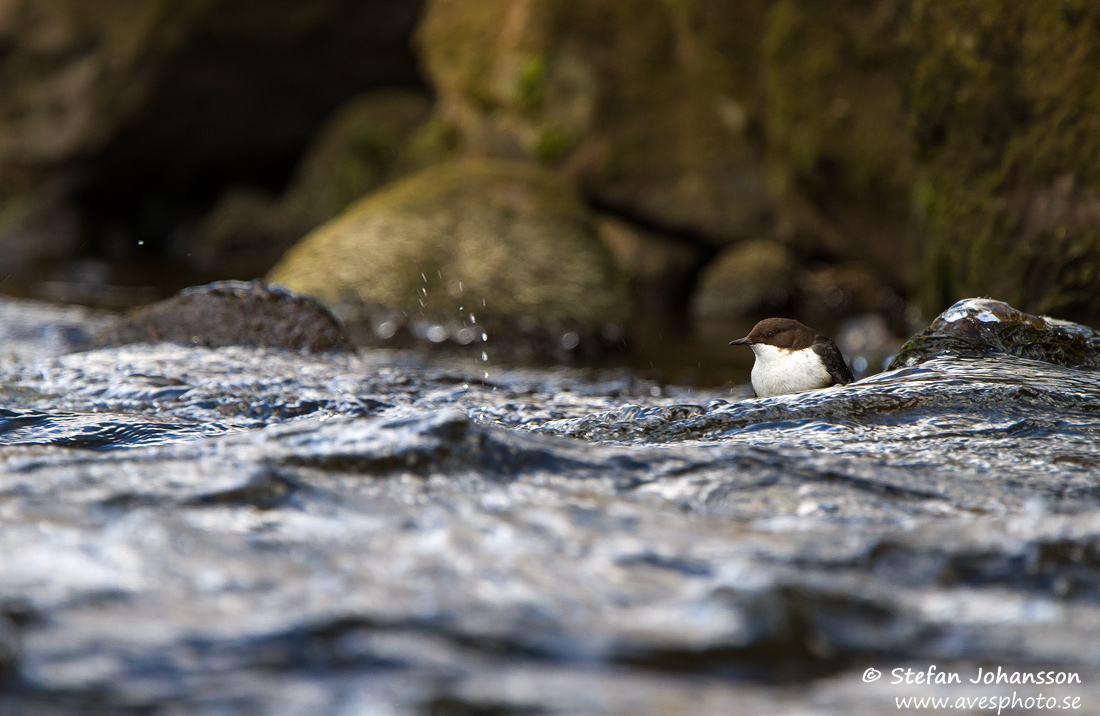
(246, 531)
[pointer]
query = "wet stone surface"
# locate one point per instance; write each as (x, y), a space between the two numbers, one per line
(227, 313)
(236, 531)
(980, 327)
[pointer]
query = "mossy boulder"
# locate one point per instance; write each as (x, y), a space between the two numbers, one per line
(1005, 101)
(365, 144)
(507, 242)
(838, 144)
(650, 107)
(752, 276)
(982, 327)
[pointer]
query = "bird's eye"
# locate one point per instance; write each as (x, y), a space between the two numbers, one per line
(771, 333)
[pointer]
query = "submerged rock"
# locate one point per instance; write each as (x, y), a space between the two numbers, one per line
(982, 327)
(229, 313)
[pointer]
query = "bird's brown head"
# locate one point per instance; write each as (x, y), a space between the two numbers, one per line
(781, 333)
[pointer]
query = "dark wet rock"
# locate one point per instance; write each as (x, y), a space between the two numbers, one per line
(233, 313)
(979, 327)
(461, 249)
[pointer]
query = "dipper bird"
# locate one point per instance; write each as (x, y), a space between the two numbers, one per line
(792, 358)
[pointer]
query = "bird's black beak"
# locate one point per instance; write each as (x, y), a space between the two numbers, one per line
(741, 342)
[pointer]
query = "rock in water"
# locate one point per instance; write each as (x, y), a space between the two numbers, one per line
(461, 249)
(981, 327)
(230, 313)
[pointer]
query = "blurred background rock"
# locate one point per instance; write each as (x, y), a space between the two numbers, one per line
(855, 165)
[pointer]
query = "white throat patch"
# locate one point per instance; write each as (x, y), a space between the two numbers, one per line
(778, 371)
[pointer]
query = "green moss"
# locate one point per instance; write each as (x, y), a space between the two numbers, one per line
(362, 146)
(431, 143)
(553, 144)
(532, 76)
(1004, 106)
(370, 157)
(835, 126)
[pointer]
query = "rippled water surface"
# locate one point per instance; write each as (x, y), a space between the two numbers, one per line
(239, 531)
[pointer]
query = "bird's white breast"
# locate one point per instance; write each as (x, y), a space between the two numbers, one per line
(778, 371)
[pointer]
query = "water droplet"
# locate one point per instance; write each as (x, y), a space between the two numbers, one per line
(439, 274)
(385, 329)
(437, 334)
(141, 243)
(570, 340)
(472, 319)
(460, 287)
(424, 291)
(484, 336)
(484, 355)
(483, 302)
(486, 375)
(424, 277)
